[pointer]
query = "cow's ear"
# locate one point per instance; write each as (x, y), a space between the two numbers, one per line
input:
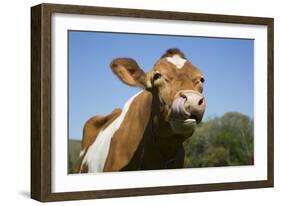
(129, 72)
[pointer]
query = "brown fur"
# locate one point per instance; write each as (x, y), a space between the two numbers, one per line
(128, 71)
(95, 124)
(90, 132)
(125, 141)
(172, 52)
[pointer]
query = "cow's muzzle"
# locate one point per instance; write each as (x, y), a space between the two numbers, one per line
(187, 110)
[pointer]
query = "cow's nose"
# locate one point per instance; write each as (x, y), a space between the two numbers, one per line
(194, 103)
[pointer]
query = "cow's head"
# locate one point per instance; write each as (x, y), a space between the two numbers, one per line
(176, 86)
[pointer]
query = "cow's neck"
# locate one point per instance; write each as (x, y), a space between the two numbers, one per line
(165, 141)
(162, 134)
(157, 144)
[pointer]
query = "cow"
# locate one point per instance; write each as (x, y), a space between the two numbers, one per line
(148, 133)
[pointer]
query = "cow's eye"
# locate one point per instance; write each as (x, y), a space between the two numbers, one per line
(202, 80)
(156, 76)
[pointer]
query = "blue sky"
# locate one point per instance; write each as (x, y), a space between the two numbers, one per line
(227, 65)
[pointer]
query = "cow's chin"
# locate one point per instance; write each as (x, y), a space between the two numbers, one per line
(185, 127)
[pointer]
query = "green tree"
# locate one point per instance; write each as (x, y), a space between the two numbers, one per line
(221, 141)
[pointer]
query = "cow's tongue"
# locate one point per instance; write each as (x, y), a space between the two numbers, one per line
(177, 110)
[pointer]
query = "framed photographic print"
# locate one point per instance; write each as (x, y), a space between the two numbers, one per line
(130, 102)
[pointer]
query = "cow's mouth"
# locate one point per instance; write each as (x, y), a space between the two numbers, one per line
(193, 118)
(182, 120)
(183, 126)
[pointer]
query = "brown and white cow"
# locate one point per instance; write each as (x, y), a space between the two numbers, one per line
(148, 133)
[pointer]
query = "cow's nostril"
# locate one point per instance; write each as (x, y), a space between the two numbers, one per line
(201, 101)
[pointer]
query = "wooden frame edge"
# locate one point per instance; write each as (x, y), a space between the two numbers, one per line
(40, 102)
(36, 139)
(270, 100)
(101, 194)
(157, 14)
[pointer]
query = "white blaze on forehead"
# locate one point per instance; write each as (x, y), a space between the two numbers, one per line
(176, 60)
(98, 151)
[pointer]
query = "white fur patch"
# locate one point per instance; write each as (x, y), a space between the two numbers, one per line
(98, 151)
(177, 61)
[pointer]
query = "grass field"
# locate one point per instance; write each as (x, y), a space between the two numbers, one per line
(73, 154)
